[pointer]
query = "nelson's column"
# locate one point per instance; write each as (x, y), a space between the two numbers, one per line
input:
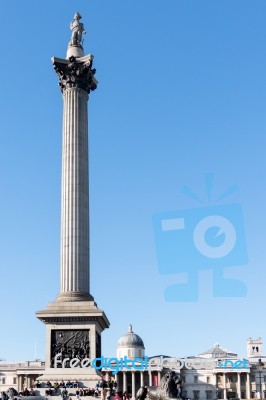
(73, 321)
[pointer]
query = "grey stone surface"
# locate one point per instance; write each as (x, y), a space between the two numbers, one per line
(74, 311)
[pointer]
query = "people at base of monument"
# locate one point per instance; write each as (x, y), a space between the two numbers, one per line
(108, 394)
(62, 384)
(56, 387)
(27, 392)
(64, 394)
(69, 384)
(126, 396)
(4, 396)
(48, 392)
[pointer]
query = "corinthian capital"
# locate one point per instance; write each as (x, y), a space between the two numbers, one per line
(75, 73)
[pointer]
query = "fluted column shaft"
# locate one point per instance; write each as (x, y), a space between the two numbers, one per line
(76, 80)
(75, 203)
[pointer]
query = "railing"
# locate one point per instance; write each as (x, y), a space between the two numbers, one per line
(22, 364)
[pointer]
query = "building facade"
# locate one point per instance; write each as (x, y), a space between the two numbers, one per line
(20, 374)
(213, 374)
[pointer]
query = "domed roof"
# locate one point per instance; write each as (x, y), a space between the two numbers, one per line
(130, 339)
(217, 352)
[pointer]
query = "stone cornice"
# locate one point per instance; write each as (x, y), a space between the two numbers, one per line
(75, 73)
(73, 312)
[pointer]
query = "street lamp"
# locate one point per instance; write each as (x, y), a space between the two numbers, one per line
(216, 391)
(260, 366)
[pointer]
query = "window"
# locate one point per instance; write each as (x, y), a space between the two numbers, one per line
(209, 394)
(3, 381)
(14, 380)
(242, 380)
(195, 378)
(208, 379)
(243, 394)
(195, 394)
(183, 379)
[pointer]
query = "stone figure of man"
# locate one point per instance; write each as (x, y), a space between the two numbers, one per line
(77, 31)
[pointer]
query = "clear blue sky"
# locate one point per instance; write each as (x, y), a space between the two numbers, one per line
(182, 93)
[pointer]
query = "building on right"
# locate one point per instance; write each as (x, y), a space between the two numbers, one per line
(213, 374)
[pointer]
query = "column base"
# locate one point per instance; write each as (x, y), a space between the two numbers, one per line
(74, 296)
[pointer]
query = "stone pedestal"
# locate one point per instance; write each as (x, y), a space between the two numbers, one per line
(73, 334)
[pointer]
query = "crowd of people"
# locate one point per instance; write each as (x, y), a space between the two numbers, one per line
(108, 388)
(60, 385)
(12, 393)
(60, 388)
(27, 392)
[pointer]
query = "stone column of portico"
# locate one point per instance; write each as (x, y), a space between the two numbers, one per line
(150, 378)
(141, 378)
(124, 381)
(19, 383)
(133, 385)
(224, 376)
(238, 385)
(159, 378)
(215, 383)
(248, 394)
(118, 385)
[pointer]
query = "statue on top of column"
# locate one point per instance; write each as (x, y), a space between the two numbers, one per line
(78, 31)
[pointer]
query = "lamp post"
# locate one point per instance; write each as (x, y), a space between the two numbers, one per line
(216, 391)
(260, 366)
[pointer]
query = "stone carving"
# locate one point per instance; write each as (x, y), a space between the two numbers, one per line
(78, 31)
(70, 344)
(98, 345)
(76, 74)
(169, 388)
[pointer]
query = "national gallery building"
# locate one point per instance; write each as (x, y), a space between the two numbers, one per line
(213, 374)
